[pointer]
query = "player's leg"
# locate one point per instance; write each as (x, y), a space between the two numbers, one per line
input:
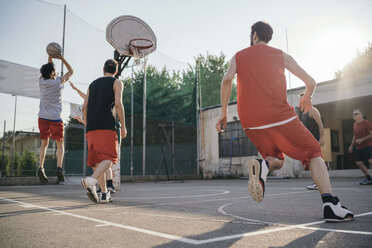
(41, 173)
(60, 153)
(57, 135)
(298, 143)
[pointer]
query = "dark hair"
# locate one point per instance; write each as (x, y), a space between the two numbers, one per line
(110, 66)
(47, 70)
(263, 30)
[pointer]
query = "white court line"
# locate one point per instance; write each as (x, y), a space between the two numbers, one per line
(224, 192)
(193, 241)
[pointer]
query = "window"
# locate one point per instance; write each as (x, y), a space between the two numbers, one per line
(234, 142)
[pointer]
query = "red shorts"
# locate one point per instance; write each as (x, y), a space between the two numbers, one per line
(102, 145)
(293, 139)
(50, 129)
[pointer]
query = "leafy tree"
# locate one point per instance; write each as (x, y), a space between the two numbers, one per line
(212, 70)
(27, 164)
(360, 64)
(4, 164)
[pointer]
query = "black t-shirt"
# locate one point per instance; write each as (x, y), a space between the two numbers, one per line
(309, 123)
(100, 104)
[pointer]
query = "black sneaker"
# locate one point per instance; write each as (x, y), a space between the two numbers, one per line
(41, 174)
(334, 212)
(59, 173)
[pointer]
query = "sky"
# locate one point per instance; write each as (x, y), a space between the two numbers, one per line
(321, 35)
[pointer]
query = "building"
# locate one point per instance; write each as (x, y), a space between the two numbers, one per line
(335, 101)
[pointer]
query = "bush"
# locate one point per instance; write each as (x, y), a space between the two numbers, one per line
(4, 164)
(27, 164)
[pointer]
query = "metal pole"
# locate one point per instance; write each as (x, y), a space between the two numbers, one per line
(13, 143)
(63, 37)
(131, 126)
(289, 74)
(197, 116)
(144, 121)
(4, 137)
(173, 148)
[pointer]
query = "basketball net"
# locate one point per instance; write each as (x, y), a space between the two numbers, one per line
(140, 49)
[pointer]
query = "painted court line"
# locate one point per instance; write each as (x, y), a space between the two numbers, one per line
(192, 241)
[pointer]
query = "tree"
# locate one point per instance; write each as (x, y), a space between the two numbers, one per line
(27, 164)
(360, 64)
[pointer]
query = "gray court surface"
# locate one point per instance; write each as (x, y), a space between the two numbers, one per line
(209, 213)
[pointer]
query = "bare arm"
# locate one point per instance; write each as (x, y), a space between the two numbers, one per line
(314, 113)
(352, 145)
(50, 59)
(85, 107)
(361, 140)
(119, 107)
(69, 73)
(77, 90)
(226, 86)
(293, 67)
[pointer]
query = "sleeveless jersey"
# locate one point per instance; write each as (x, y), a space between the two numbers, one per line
(100, 104)
(261, 86)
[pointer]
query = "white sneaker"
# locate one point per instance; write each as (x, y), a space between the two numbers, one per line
(105, 197)
(89, 183)
(258, 172)
(335, 212)
(312, 187)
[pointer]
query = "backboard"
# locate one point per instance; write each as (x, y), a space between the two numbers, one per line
(123, 29)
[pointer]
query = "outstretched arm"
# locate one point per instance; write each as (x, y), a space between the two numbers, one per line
(226, 86)
(293, 67)
(69, 73)
(85, 107)
(77, 90)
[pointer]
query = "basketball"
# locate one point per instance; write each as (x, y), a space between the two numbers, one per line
(53, 49)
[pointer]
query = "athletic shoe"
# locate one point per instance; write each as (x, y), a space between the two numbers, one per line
(41, 174)
(366, 182)
(59, 173)
(105, 197)
(258, 172)
(334, 212)
(89, 183)
(111, 190)
(312, 187)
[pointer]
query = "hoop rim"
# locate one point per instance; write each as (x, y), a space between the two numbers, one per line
(138, 47)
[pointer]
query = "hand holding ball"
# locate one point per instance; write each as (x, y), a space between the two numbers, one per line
(54, 49)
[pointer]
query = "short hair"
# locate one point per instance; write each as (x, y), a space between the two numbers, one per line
(110, 66)
(361, 111)
(263, 30)
(47, 70)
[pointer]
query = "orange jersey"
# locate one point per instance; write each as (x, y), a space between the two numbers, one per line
(261, 88)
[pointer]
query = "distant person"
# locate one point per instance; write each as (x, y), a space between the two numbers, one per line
(109, 184)
(50, 118)
(363, 141)
(270, 122)
(314, 124)
(103, 97)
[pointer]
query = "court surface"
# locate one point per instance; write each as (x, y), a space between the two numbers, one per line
(201, 213)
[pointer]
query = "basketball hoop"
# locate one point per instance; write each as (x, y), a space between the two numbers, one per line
(140, 48)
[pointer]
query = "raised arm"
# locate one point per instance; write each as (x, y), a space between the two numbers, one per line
(85, 107)
(69, 73)
(77, 90)
(293, 67)
(226, 86)
(119, 107)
